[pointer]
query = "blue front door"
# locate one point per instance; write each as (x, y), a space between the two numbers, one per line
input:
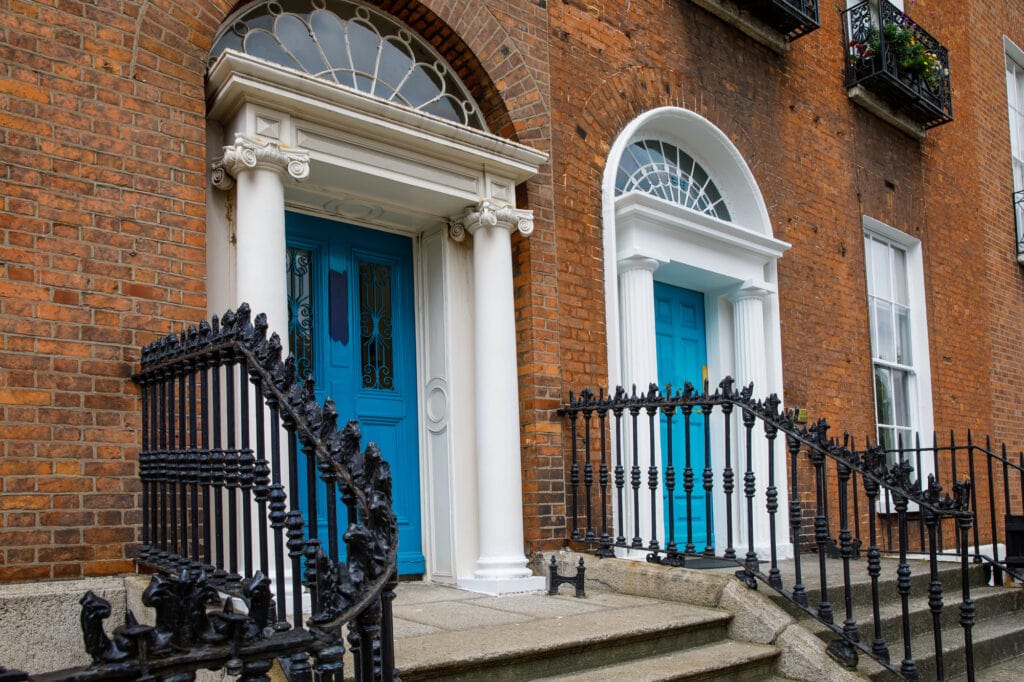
(352, 328)
(682, 356)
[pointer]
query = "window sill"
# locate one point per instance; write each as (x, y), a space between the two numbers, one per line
(741, 19)
(873, 103)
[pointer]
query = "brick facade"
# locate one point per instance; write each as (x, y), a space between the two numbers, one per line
(103, 184)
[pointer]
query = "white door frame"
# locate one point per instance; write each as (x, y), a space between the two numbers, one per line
(732, 262)
(376, 164)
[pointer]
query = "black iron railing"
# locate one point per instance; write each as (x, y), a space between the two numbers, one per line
(792, 18)
(223, 421)
(1018, 211)
(889, 54)
(840, 505)
(997, 500)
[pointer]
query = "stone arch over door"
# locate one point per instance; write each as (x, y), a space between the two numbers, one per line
(728, 256)
(281, 137)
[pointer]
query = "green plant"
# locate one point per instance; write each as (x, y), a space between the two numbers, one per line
(904, 47)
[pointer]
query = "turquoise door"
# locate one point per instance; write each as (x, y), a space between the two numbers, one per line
(682, 356)
(352, 328)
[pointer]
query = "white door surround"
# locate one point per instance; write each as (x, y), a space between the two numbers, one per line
(376, 164)
(647, 238)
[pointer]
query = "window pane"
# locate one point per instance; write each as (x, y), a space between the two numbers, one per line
(900, 397)
(869, 265)
(887, 439)
(300, 309)
(883, 396)
(899, 276)
(375, 326)
(880, 285)
(886, 348)
(903, 345)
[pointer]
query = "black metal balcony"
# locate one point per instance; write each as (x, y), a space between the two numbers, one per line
(792, 18)
(1018, 209)
(897, 60)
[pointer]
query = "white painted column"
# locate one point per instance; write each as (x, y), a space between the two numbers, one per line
(639, 368)
(257, 169)
(501, 567)
(748, 324)
(751, 363)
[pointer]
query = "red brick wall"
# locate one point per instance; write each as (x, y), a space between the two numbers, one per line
(102, 117)
(103, 179)
(103, 242)
(821, 163)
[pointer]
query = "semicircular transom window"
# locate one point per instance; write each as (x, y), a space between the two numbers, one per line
(355, 46)
(667, 172)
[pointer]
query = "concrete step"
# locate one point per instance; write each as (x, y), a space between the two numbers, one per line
(560, 644)
(726, 660)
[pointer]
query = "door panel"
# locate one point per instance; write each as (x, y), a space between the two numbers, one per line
(362, 327)
(682, 356)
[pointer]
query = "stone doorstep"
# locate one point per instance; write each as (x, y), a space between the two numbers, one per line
(537, 647)
(755, 617)
(738, 660)
(53, 606)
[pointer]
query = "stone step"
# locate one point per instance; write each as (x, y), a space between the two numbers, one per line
(726, 660)
(860, 581)
(995, 640)
(989, 602)
(560, 644)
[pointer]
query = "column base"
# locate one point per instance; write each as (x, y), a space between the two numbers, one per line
(502, 575)
(499, 586)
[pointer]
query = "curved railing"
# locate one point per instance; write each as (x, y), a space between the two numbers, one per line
(224, 515)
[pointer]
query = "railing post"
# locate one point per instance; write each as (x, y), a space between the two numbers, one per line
(195, 462)
(907, 667)
(588, 469)
(821, 520)
(634, 472)
(620, 471)
(964, 520)
(184, 463)
(931, 521)
(843, 646)
(144, 474)
(728, 476)
(602, 417)
(771, 431)
(878, 645)
(997, 575)
(795, 520)
(750, 489)
(652, 470)
(574, 475)
(688, 478)
(673, 557)
(709, 473)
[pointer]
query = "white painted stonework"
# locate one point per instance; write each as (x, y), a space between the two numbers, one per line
(733, 263)
(335, 152)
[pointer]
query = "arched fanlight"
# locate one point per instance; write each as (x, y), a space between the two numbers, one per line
(353, 45)
(667, 172)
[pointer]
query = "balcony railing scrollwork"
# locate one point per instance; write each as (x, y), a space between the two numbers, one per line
(1018, 211)
(792, 18)
(897, 60)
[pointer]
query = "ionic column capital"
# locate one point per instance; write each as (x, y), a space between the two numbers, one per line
(632, 263)
(487, 214)
(751, 290)
(250, 152)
